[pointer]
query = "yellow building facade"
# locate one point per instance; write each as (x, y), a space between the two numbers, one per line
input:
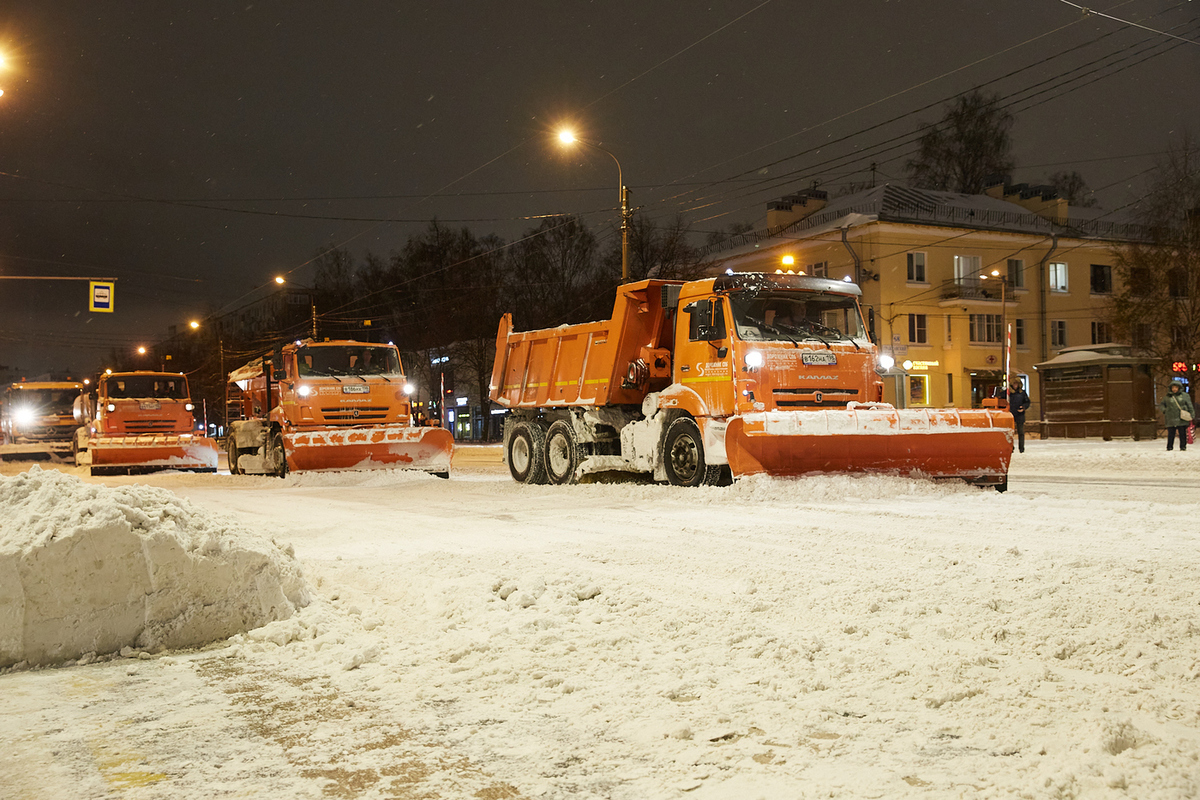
(947, 278)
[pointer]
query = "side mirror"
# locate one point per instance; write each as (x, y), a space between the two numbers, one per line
(871, 324)
(707, 321)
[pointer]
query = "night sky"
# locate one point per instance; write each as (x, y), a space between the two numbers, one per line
(193, 150)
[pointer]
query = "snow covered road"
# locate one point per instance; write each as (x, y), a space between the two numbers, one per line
(829, 636)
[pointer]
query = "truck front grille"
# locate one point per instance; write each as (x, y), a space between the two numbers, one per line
(814, 397)
(355, 414)
(150, 425)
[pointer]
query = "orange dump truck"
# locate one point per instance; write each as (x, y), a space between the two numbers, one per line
(337, 405)
(144, 422)
(709, 380)
(37, 420)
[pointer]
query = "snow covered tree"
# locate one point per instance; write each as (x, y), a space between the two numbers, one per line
(967, 147)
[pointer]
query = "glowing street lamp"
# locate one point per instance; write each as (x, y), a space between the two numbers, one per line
(312, 302)
(1003, 326)
(568, 138)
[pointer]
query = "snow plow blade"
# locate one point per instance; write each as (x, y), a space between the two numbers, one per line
(379, 447)
(128, 455)
(974, 445)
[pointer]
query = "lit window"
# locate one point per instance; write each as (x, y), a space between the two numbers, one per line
(1058, 276)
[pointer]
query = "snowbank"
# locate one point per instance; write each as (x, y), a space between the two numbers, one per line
(87, 569)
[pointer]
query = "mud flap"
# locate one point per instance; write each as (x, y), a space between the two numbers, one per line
(120, 454)
(377, 447)
(972, 444)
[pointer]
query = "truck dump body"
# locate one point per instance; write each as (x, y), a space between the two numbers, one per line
(339, 405)
(585, 364)
(735, 375)
(144, 422)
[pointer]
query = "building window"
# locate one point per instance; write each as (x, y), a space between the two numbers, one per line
(918, 390)
(948, 329)
(819, 269)
(1058, 333)
(949, 389)
(1177, 282)
(985, 328)
(1101, 333)
(1142, 335)
(1101, 279)
(1140, 281)
(1016, 272)
(1058, 276)
(916, 329)
(966, 270)
(916, 268)
(1019, 332)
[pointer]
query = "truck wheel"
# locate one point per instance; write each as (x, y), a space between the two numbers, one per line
(683, 453)
(562, 453)
(526, 453)
(231, 454)
(276, 456)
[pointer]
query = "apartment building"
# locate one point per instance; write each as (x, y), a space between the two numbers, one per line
(949, 277)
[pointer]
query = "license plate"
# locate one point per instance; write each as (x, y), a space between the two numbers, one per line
(818, 358)
(356, 388)
(150, 405)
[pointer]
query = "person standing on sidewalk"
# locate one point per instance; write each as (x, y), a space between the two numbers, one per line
(1018, 404)
(1178, 412)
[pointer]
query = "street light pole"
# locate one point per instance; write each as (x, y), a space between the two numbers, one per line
(1004, 354)
(567, 137)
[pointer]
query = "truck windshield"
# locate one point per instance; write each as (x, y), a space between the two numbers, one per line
(170, 387)
(45, 401)
(795, 316)
(348, 360)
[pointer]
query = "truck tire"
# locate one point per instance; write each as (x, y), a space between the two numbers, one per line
(231, 454)
(683, 454)
(562, 453)
(527, 452)
(276, 455)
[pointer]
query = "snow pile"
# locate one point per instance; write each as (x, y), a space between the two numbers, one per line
(87, 569)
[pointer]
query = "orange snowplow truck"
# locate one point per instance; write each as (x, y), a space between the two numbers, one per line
(37, 420)
(337, 405)
(144, 422)
(714, 379)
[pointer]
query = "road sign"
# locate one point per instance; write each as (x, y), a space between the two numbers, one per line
(101, 296)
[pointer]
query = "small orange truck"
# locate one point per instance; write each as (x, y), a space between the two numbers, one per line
(143, 422)
(334, 405)
(37, 420)
(710, 380)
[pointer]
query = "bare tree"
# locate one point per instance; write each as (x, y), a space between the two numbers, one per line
(1073, 188)
(967, 147)
(1158, 303)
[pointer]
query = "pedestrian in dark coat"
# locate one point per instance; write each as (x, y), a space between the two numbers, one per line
(1178, 412)
(1018, 404)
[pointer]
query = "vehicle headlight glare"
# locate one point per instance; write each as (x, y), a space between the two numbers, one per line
(111, 406)
(304, 391)
(754, 359)
(188, 407)
(886, 361)
(409, 388)
(23, 415)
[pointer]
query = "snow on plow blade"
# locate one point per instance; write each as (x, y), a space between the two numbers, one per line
(973, 444)
(112, 455)
(380, 447)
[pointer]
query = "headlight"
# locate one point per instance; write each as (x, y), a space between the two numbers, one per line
(23, 415)
(111, 407)
(304, 391)
(754, 359)
(886, 361)
(188, 407)
(409, 388)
